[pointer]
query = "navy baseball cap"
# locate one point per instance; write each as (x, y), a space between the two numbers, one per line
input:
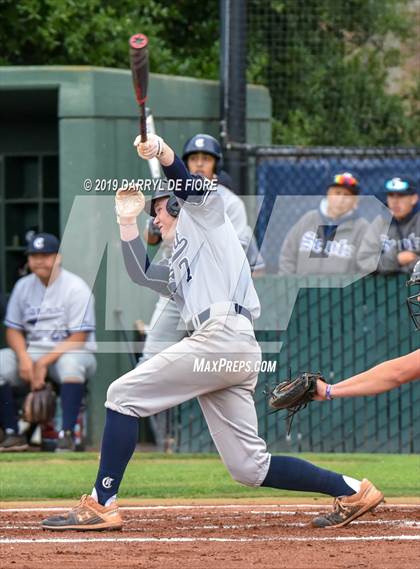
(403, 186)
(345, 180)
(43, 243)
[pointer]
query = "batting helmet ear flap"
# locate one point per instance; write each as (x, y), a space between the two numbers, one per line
(172, 206)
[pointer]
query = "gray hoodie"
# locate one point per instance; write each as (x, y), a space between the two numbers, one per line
(400, 236)
(320, 245)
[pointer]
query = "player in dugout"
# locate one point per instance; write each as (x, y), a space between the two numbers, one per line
(50, 331)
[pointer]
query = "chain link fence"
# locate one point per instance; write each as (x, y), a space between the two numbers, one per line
(339, 72)
(339, 332)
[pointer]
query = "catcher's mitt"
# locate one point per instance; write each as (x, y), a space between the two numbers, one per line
(39, 406)
(295, 394)
(129, 203)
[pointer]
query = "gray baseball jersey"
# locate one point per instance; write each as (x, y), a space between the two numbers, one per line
(48, 315)
(208, 264)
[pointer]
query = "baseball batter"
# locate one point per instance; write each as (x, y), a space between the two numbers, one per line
(202, 154)
(210, 280)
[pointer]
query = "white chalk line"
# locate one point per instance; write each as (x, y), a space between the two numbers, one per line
(393, 523)
(208, 539)
(209, 507)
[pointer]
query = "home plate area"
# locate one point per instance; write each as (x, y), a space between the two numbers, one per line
(215, 536)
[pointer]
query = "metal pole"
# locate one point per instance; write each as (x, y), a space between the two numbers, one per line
(233, 90)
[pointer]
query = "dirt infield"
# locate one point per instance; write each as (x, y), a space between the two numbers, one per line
(216, 536)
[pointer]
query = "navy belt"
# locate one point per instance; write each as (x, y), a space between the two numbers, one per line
(205, 315)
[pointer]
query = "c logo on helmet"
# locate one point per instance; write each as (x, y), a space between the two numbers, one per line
(199, 143)
(39, 243)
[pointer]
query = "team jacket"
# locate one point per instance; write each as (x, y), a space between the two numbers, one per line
(400, 236)
(319, 245)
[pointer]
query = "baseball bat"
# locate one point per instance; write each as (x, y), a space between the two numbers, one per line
(139, 63)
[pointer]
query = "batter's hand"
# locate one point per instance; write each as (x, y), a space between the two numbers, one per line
(129, 203)
(152, 148)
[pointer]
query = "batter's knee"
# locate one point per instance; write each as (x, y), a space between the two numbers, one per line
(250, 473)
(119, 399)
(113, 395)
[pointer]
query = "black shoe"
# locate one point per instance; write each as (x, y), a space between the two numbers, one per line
(65, 442)
(13, 443)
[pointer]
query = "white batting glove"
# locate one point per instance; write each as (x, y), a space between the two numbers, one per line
(129, 203)
(153, 148)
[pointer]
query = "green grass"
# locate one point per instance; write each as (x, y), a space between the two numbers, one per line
(45, 476)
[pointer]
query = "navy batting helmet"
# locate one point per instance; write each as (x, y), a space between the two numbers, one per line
(413, 300)
(202, 143)
(172, 205)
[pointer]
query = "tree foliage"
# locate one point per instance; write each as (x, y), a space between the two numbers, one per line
(184, 34)
(325, 62)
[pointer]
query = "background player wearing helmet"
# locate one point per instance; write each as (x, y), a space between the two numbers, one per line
(387, 375)
(210, 280)
(202, 154)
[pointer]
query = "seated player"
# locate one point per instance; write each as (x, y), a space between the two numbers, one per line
(333, 231)
(50, 324)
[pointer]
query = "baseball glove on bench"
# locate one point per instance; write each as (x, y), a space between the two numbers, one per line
(39, 406)
(295, 394)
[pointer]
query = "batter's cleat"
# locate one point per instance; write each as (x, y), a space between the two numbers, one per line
(88, 515)
(348, 508)
(13, 443)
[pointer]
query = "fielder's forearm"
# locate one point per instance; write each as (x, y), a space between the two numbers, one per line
(381, 378)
